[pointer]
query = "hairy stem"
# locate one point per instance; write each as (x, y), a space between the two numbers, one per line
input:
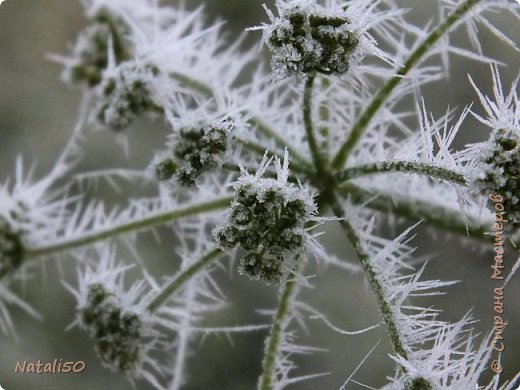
(375, 284)
(133, 226)
(417, 209)
(405, 167)
(309, 127)
(183, 277)
(364, 120)
(278, 327)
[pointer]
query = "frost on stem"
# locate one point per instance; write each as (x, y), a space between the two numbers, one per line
(501, 172)
(306, 40)
(11, 248)
(125, 94)
(267, 220)
(194, 151)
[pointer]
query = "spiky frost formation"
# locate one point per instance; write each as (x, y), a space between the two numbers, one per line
(117, 319)
(268, 218)
(195, 150)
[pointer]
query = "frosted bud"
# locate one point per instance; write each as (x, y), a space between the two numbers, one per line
(500, 172)
(91, 50)
(116, 331)
(125, 95)
(418, 384)
(267, 220)
(304, 40)
(11, 248)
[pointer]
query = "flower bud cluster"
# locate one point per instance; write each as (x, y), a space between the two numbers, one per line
(418, 384)
(91, 51)
(304, 41)
(267, 220)
(116, 331)
(11, 248)
(501, 172)
(126, 95)
(195, 151)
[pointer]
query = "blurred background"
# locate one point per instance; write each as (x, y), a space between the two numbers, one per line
(37, 114)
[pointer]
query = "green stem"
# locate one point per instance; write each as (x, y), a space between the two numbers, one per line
(361, 125)
(402, 166)
(182, 277)
(280, 141)
(309, 127)
(261, 126)
(129, 227)
(277, 329)
(377, 288)
(325, 117)
(416, 209)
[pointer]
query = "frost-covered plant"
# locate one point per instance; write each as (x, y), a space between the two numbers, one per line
(332, 104)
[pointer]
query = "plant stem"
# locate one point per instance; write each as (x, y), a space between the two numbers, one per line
(417, 209)
(309, 127)
(129, 227)
(277, 329)
(377, 288)
(184, 276)
(362, 123)
(324, 117)
(402, 166)
(280, 141)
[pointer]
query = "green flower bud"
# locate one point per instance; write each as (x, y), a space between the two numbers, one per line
(117, 332)
(11, 248)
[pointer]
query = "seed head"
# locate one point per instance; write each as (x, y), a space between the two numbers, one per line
(11, 248)
(116, 331)
(125, 95)
(500, 166)
(267, 220)
(305, 40)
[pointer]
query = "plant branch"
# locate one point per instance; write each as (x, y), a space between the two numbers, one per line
(362, 123)
(277, 329)
(405, 167)
(375, 284)
(183, 277)
(309, 127)
(133, 226)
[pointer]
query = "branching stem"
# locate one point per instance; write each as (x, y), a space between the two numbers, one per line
(375, 284)
(129, 227)
(278, 327)
(183, 277)
(405, 167)
(364, 120)
(309, 127)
